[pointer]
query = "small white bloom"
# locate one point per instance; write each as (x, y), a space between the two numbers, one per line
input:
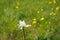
(23, 24)
(27, 25)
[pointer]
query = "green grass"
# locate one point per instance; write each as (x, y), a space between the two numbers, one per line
(11, 11)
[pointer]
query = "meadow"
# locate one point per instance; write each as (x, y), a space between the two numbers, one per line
(42, 15)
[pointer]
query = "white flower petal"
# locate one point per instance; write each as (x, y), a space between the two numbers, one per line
(23, 24)
(27, 25)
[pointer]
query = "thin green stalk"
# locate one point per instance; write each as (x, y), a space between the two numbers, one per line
(24, 34)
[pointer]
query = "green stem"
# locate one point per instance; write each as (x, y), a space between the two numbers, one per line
(24, 34)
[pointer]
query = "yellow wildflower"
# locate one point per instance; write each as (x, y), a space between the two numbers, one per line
(34, 19)
(54, 1)
(41, 18)
(34, 22)
(57, 8)
(54, 14)
(17, 7)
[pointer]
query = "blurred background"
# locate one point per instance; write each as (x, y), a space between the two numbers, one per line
(43, 15)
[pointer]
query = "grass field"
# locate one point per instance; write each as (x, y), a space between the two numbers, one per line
(42, 15)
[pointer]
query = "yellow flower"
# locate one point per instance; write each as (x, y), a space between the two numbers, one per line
(57, 8)
(17, 7)
(50, 2)
(42, 18)
(54, 14)
(54, 1)
(34, 22)
(34, 19)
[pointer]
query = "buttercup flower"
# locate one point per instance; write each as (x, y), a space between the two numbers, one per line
(17, 7)
(57, 8)
(42, 18)
(54, 1)
(34, 22)
(54, 14)
(34, 19)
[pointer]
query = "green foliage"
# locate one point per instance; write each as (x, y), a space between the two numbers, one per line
(11, 11)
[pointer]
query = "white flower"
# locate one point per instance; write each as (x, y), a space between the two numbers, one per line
(23, 24)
